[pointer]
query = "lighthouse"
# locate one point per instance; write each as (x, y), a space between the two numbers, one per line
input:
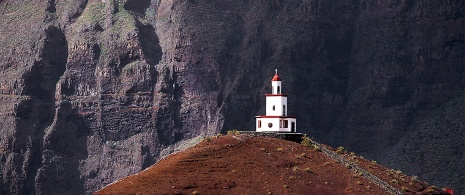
(276, 118)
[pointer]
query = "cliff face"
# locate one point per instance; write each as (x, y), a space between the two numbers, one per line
(92, 91)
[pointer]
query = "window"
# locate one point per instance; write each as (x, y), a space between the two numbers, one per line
(279, 91)
(259, 123)
(270, 125)
(274, 107)
(284, 110)
(285, 124)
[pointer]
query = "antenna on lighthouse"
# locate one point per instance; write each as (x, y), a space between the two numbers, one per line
(276, 70)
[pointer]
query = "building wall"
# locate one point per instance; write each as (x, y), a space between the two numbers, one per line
(277, 124)
(278, 102)
(274, 87)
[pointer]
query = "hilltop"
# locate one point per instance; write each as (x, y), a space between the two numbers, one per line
(243, 164)
(102, 89)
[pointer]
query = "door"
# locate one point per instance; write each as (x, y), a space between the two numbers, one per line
(293, 127)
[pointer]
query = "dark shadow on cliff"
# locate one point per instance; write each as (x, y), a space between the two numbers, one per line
(150, 44)
(35, 114)
(137, 6)
(64, 148)
(41, 81)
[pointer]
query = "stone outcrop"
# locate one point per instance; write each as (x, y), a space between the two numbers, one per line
(94, 90)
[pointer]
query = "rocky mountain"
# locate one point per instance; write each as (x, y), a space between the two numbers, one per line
(244, 164)
(95, 90)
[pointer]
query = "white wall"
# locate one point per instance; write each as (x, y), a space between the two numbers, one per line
(278, 102)
(277, 124)
(274, 87)
(265, 121)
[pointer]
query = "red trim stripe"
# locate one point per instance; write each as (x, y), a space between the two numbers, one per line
(275, 117)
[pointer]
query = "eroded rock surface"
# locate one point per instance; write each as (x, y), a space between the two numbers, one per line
(94, 90)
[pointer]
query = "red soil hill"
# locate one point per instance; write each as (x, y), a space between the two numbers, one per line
(240, 164)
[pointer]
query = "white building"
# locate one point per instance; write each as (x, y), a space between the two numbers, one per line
(276, 119)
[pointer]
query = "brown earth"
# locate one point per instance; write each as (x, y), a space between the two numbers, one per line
(96, 90)
(240, 164)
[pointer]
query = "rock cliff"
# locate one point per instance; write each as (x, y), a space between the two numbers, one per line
(95, 90)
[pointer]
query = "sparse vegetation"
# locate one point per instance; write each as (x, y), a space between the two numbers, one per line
(279, 149)
(405, 189)
(295, 169)
(233, 132)
(308, 170)
(307, 142)
(394, 181)
(299, 156)
(340, 150)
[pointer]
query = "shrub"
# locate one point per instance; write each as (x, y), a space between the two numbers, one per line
(403, 188)
(307, 142)
(233, 132)
(340, 150)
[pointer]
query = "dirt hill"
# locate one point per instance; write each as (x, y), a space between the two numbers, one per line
(242, 164)
(96, 90)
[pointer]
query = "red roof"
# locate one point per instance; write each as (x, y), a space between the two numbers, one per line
(276, 78)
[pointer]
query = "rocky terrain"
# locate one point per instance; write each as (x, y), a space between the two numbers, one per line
(95, 90)
(240, 164)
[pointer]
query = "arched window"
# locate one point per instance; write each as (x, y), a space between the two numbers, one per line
(279, 90)
(274, 108)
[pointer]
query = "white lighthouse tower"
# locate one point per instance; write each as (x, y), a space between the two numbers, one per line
(276, 119)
